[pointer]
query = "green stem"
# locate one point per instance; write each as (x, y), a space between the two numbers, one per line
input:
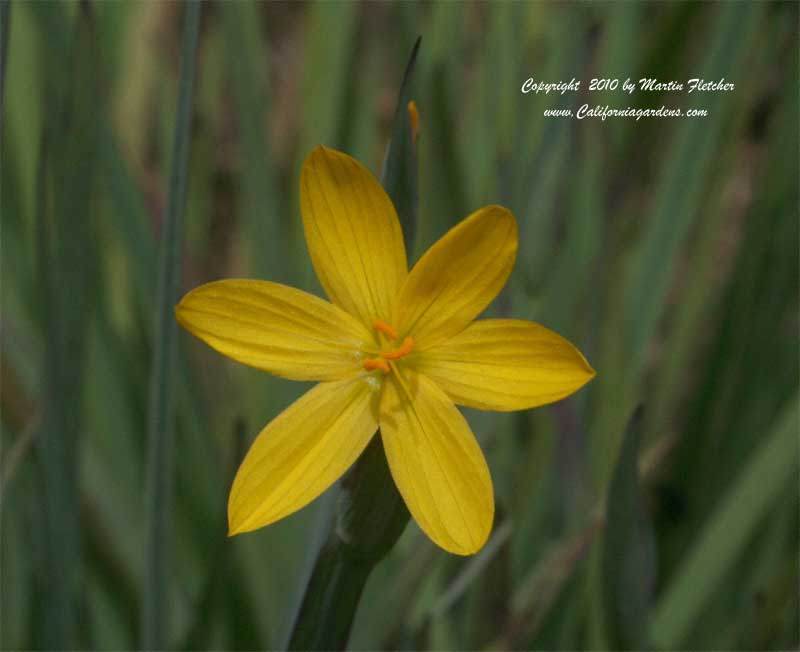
(159, 469)
(334, 591)
(371, 517)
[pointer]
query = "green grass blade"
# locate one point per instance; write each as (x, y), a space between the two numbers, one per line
(441, 176)
(60, 496)
(702, 299)
(542, 152)
(629, 551)
(471, 571)
(676, 203)
(326, 73)
(260, 211)
(326, 77)
(155, 621)
(399, 176)
(680, 190)
(5, 30)
(67, 270)
(129, 212)
(727, 533)
(567, 293)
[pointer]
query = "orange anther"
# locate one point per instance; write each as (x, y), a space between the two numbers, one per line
(405, 349)
(413, 116)
(383, 327)
(370, 364)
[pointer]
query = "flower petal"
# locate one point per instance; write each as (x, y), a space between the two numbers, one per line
(273, 327)
(457, 277)
(436, 463)
(506, 364)
(302, 452)
(353, 234)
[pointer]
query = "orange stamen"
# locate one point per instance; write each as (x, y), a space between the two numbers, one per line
(383, 327)
(405, 349)
(413, 116)
(371, 364)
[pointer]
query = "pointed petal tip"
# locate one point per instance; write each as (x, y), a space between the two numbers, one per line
(317, 152)
(468, 552)
(180, 308)
(485, 243)
(590, 371)
(301, 453)
(179, 311)
(346, 216)
(475, 548)
(442, 476)
(321, 150)
(500, 207)
(235, 529)
(505, 211)
(236, 526)
(581, 362)
(467, 548)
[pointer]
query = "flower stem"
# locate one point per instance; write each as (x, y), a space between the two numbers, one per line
(371, 517)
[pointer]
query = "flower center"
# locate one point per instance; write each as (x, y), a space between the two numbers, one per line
(383, 361)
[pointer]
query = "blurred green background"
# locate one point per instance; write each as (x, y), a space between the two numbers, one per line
(665, 249)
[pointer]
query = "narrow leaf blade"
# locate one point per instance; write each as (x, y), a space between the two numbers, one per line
(155, 622)
(629, 552)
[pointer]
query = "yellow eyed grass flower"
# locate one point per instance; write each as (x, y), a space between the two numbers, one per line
(393, 349)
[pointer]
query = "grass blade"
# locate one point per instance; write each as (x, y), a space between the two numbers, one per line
(159, 469)
(681, 185)
(66, 261)
(471, 571)
(5, 23)
(676, 203)
(322, 121)
(727, 533)
(247, 61)
(629, 552)
(400, 166)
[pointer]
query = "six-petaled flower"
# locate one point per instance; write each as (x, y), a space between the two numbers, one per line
(393, 350)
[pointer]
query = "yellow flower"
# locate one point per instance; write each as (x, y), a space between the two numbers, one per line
(393, 349)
